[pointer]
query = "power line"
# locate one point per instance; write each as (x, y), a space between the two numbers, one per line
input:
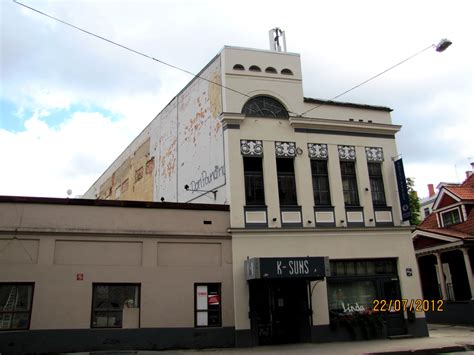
(128, 48)
(371, 78)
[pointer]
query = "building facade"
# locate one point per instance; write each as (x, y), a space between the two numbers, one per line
(79, 275)
(315, 220)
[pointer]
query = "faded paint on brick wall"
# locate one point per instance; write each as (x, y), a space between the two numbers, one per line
(183, 145)
(134, 179)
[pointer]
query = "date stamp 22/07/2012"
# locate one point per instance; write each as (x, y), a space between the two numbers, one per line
(412, 305)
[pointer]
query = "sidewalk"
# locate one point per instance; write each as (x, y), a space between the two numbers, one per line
(443, 339)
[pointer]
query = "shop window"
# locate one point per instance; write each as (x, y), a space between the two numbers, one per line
(15, 305)
(207, 305)
(376, 184)
(363, 267)
(254, 188)
(286, 182)
(109, 301)
(451, 217)
(350, 296)
(349, 183)
(319, 170)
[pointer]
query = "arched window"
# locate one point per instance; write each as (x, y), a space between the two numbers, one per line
(255, 68)
(264, 106)
(286, 71)
(239, 67)
(271, 70)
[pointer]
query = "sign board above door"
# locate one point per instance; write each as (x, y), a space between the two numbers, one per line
(309, 267)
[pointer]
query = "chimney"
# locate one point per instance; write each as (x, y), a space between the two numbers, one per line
(431, 190)
(469, 173)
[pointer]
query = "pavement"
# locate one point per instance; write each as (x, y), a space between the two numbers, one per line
(443, 339)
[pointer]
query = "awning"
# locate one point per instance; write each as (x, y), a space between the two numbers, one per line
(309, 267)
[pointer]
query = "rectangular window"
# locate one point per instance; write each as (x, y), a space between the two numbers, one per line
(347, 297)
(15, 305)
(319, 170)
(426, 211)
(376, 184)
(349, 183)
(207, 305)
(451, 217)
(109, 301)
(286, 182)
(254, 188)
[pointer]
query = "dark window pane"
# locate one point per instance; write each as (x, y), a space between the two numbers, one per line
(20, 320)
(451, 217)
(321, 191)
(109, 301)
(349, 184)
(15, 305)
(254, 187)
(286, 182)
(264, 106)
(376, 184)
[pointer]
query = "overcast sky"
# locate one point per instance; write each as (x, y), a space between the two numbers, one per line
(70, 103)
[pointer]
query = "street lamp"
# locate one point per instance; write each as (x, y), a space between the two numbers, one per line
(443, 44)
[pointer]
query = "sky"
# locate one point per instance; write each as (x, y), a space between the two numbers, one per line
(71, 103)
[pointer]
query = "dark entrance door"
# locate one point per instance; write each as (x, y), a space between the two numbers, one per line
(394, 319)
(279, 311)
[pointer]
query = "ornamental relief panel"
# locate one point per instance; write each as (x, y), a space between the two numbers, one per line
(374, 154)
(346, 152)
(285, 149)
(318, 151)
(250, 148)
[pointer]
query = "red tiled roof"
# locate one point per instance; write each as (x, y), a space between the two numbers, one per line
(464, 193)
(448, 232)
(462, 230)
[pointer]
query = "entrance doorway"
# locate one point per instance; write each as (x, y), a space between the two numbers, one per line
(279, 311)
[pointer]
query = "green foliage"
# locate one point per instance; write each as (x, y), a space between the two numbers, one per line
(414, 202)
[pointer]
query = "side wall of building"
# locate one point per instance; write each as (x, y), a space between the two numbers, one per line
(183, 145)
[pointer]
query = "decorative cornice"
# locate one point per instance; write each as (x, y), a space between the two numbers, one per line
(347, 127)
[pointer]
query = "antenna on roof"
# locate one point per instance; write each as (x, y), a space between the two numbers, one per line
(277, 40)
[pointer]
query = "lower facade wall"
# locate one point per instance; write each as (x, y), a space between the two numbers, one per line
(453, 313)
(68, 340)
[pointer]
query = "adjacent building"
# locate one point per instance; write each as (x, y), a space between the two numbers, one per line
(444, 248)
(316, 237)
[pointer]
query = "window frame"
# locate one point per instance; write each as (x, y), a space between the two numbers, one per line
(315, 175)
(379, 179)
(450, 213)
(94, 285)
(286, 174)
(248, 175)
(218, 310)
(350, 177)
(30, 306)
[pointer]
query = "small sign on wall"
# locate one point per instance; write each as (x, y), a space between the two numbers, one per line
(80, 277)
(409, 271)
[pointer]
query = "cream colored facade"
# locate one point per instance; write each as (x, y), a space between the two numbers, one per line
(63, 247)
(198, 141)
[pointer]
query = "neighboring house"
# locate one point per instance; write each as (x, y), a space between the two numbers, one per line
(426, 203)
(444, 248)
(314, 215)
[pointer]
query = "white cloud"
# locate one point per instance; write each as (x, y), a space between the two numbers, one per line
(45, 161)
